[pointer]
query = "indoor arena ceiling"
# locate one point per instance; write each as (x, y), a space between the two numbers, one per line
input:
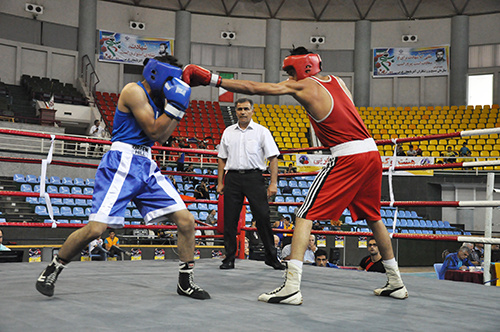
(326, 10)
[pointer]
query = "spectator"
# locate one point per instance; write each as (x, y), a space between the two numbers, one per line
(190, 179)
(291, 168)
(372, 262)
(280, 224)
(317, 226)
(95, 132)
(211, 221)
(180, 163)
(201, 191)
(400, 152)
(419, 151)
(174, 183)
(112, 244)
(477, 254)
(287, 237)
(308, 255)
(320, 259)
(411, 152)
(464, 150)
(450, 155)
(2, 247)
(95, 248)
(456, 261)
(277, 246)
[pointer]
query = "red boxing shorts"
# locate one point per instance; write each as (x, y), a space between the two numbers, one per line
(352, 181)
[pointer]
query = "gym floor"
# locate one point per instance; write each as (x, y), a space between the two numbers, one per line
(141, 296)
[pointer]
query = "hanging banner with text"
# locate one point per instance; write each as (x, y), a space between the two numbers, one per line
(422, 61)
(131, 49)
(310, 162)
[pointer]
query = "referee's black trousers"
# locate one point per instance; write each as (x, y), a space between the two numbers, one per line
(236, 187)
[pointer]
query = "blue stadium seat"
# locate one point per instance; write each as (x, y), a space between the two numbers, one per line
(296, 192)
(389, 213)
(203, 206)
(32, 200)
(299, 199)
(87, 211)
(19, 178)
(41, 210)
(90, 182)
(195, 214)
(401, 214)
(128, 214)
(290, 199)
(404, 231)
(69, 202)
(428, 224)
(447, 224)
(36, 188)
(282, 209)
(56, 212)
(32, 178)
(440, 224)
(212, 207)
(67, 181)
(53, 189)
(63, 221)
(88, 191)
(422, 222)
(435, 224)
(26, 188)
(279, 199)
(135, 222)
(78, 211)
(75, 221)
(382, 213)
(248, 217)
(47, 181)
(303, 184)
(54, 201)
(178, 178)
(64, 190)
(281, 183)
(203, 215)
(212, 196)
(304, 192)
(197, 170)
(291, 209)
(293, 184)
(55, 180)
(136, 214)
(75, 190)
(348, 220)
(66, 211)
(409, 222)
(193, 207)
(438, 232)
(89, 202)
(402, 223)
(346, 212)
(79, 182)
(414, 215)
(408, 214)
(80, 202)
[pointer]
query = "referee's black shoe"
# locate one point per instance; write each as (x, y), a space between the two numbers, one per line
(275, 264)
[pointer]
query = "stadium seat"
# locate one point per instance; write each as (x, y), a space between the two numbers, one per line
(87, 211)
(53, 189)
(32, 200)
(282, 209)
(19, 178)
(87, 190)
(55, 180)
(80, 202)
(203, 206)
(31, 178)
(66, 211)
(296, 192)
(69, 202)
(26, 188)
(79, 182)
(128, 214)
(67, 181)
(136, 214)
(203, 215)
(195, 214)
(90, 182)
(78, 211)
(290, 199)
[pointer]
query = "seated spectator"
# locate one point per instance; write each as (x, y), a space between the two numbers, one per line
(320, 259)
(308, 255)
(190, 179)
(456, 261)
(280, 224)
(277, 246)
(291, 169)
(2, 247)
(400, 152)
(287, 237)
(180, 163)
(450, 155)
(419, 151)
(211, 221)
(95, 248)
(372, 262)
(411, 152)
(112, 244)
(464, 150)
(201, 191)
(477, 253)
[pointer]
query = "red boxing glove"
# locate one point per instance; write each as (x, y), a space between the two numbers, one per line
(195, 75)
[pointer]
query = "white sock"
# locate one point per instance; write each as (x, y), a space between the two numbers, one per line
(390, 263)
(297, 263)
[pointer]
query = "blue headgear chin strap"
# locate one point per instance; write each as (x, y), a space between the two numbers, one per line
(156, 73)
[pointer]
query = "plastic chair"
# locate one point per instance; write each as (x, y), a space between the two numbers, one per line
(296, 192)
(128, 214)
(32, 200)
(90, 182)
(79, 182)
(55, 180)
(87, 212)
(69, 202)
(26, 188)
(290, 199)
(19, 178)
(41, 210)
(67, 181)
(78, 211)
(203, 215)
(195, 214)
(437, 268)
(66, 211)
(75, 190)
(80, 202)
(136, 214)
(64, 190)
(88, 190)
(203, 206)
(31, 178)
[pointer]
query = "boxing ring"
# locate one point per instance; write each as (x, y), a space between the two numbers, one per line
(140, 295)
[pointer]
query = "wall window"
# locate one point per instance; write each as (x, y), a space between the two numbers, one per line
(480, 89)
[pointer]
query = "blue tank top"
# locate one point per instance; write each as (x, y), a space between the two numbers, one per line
(126, 129)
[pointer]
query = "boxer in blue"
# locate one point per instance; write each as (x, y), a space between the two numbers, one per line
(146, 112)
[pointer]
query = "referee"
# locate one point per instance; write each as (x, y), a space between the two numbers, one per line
(243, 151)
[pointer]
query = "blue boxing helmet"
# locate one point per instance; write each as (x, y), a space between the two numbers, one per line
(157, 73)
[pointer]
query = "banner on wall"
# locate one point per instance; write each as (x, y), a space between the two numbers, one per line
(131, 49)
(409, 161)
(310, 162)
(224, 95)
(421, 61)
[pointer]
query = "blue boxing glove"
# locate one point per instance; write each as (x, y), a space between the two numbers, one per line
(177, 94)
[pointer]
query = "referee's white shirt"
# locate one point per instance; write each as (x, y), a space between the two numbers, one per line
(247, 148)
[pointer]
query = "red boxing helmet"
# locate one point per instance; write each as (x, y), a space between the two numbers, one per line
(305, 65)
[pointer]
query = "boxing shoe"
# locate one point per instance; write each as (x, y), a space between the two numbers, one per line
(46, 281)
(289, 292)
(394, 286)
(186, 285)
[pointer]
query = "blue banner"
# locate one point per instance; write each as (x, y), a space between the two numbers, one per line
(422, 61)
(131, 49)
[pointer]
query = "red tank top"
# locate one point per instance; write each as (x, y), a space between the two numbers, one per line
(343, 123)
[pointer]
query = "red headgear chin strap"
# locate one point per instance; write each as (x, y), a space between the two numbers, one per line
(305, 65)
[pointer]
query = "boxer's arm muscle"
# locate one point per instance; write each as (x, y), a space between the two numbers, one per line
(288, 87)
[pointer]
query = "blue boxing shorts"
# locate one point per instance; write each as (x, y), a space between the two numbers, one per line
(126, 173)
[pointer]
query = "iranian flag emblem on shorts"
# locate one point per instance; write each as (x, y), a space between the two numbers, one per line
(224, 95)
